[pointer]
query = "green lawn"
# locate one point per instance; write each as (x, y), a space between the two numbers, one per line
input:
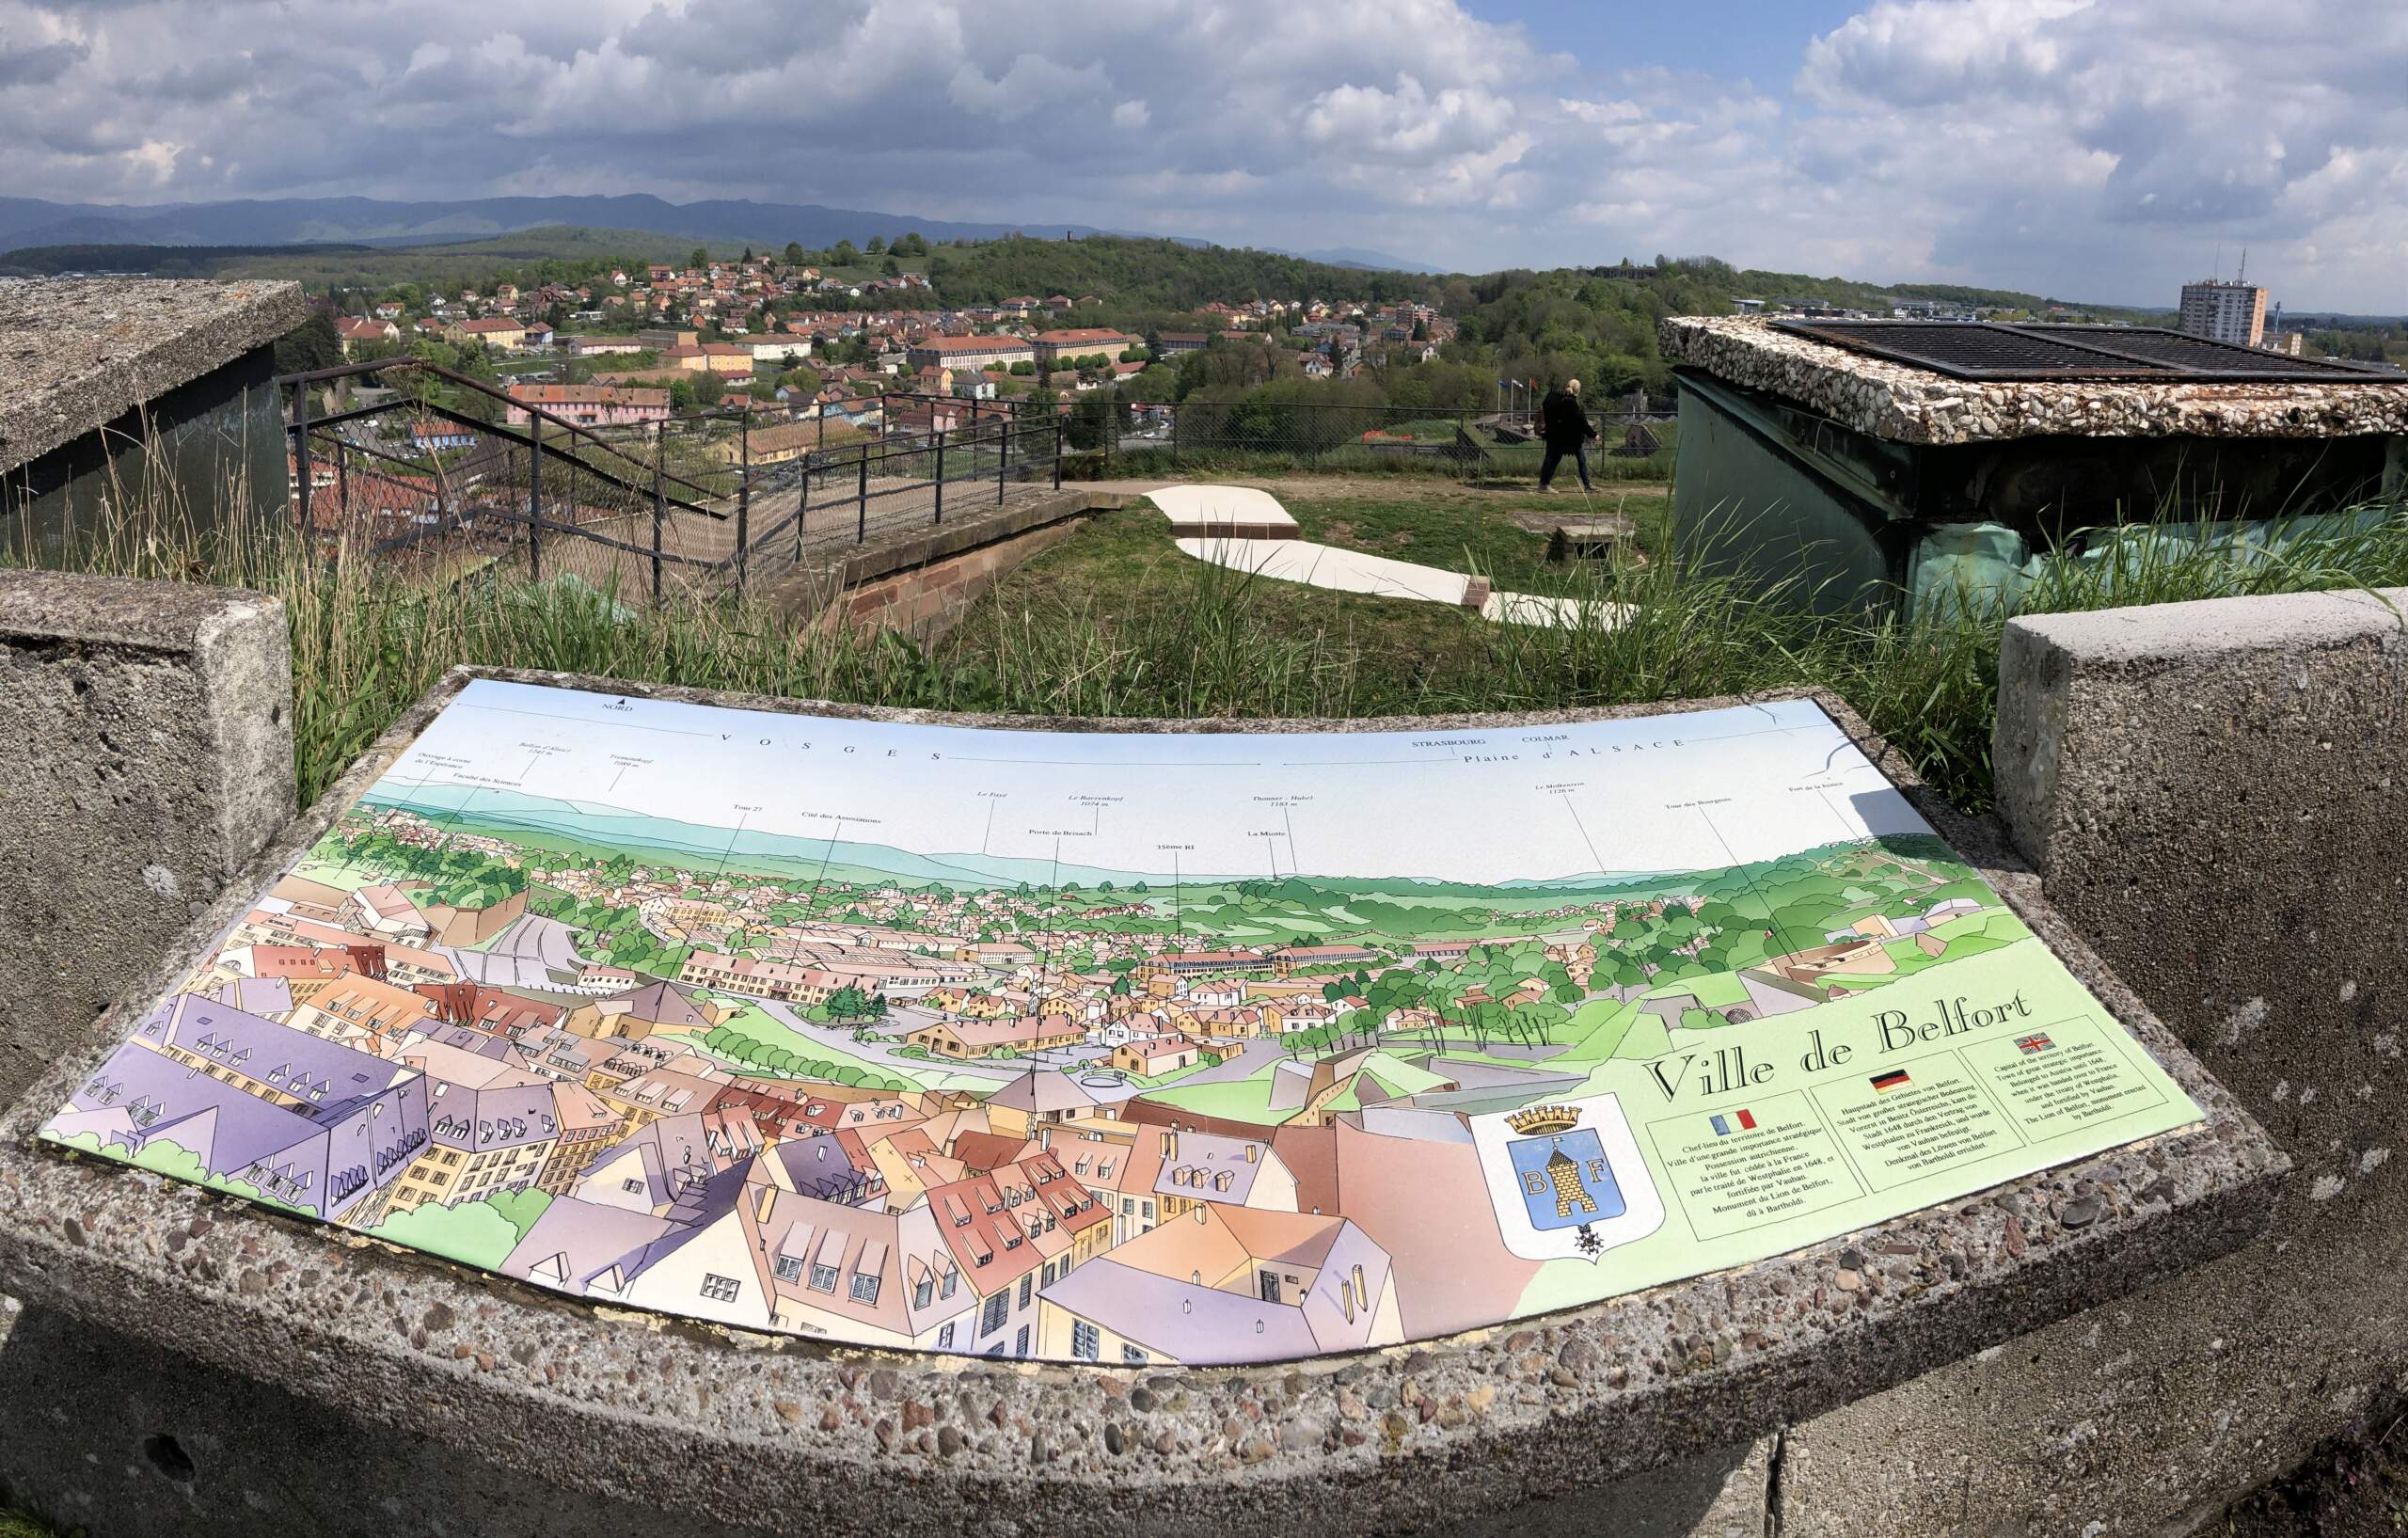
(752, 1021)
(1242, 1100)
(1467, 531)
(1120, 577)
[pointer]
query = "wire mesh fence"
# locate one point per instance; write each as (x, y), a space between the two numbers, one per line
(1252, 435)
(443, 476)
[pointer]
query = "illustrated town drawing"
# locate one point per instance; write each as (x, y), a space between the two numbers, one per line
(1116, 1048)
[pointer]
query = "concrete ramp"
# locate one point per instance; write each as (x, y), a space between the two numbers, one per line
(1341, 571)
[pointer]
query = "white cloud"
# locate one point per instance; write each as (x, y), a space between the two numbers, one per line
(2095, 144)
(1033, 84)
(2086, 148)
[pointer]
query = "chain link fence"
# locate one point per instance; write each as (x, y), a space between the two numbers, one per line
(1634, 439)
(443, 476)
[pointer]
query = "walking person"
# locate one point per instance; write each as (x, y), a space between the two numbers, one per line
(1566, 429)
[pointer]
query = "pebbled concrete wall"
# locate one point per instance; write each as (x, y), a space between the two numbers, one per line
(2216, 794)
(131, 1440)
(148, 757)
(1571, 1413)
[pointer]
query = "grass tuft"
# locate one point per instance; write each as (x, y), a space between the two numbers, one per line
(1114, 622)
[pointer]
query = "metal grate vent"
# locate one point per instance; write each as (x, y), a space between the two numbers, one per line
(1995, 351)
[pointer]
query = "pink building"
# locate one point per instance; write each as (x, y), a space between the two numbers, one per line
(590, 405)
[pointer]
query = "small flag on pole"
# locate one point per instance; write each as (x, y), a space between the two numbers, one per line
(2036, 1042)
(1894, 1078)
(1734, 1121)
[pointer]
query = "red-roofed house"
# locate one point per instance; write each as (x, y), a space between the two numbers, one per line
(354, 331)
(494, 332)
(592, 405)
(1082, 342)
(968, 352)
(1012, 1231)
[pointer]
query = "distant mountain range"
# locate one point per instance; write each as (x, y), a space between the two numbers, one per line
(702, 847)
(374, 221)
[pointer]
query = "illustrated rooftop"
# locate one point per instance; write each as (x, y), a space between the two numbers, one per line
(1122, 1047)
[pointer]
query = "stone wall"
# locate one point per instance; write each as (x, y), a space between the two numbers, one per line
(926, 601)
(918, 581)
(2217, 795)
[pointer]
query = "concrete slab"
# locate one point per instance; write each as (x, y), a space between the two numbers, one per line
(1726, 1492)
(1210, 512)
(85, 351)
(1910, 405)
(778, 1433)
(178, 1443)
(1338, 570)
(1554, 614)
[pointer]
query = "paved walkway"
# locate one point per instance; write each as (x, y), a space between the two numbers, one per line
(1327, 566)
(1565, 613)
(1302, 561)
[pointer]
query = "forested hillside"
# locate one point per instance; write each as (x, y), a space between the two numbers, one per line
(1153, 273)
(1597, 323)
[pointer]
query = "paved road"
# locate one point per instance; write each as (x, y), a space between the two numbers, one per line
(1258, 1055)
(883, 1050)
(523, 955)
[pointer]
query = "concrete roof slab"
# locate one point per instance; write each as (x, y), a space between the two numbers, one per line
(1226, 512)
(78, 353)
(1908, 404)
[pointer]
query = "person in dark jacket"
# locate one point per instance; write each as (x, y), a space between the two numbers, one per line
(1565, 427)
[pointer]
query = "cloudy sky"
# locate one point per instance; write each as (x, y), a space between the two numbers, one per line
(2086, 148)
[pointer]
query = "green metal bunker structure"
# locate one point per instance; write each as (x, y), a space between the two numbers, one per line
(1890, 466)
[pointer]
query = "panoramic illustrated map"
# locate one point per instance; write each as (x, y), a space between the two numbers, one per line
(1116, 1047)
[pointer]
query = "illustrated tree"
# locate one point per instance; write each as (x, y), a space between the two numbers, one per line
(1621, 969)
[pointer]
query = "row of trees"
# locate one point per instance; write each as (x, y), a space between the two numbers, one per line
(458, 875)
(785, 1063)
(1467, 1000)
(846, 254)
